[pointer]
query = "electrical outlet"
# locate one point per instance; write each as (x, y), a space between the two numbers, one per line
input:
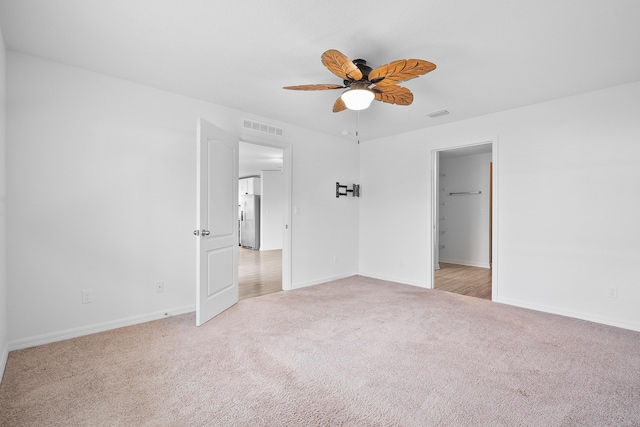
(613, 292)
(87, 296)
(159, 286)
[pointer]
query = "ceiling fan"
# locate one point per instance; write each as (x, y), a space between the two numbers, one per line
(358, 78)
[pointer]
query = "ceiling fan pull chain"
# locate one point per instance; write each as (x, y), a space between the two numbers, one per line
(358, 125)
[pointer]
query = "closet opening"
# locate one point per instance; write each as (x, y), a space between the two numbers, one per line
(463, 231)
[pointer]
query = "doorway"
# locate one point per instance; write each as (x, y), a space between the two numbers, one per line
(463, 212)
(264, 173)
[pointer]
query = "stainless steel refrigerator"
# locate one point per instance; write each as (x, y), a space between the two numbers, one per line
(250, 221)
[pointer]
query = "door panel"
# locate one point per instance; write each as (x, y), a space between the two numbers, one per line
(221, 173)
(220, 271)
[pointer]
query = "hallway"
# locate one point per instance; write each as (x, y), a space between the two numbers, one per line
(259, 273)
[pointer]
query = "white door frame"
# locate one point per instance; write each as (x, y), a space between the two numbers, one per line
(286, 167)
(494, 207)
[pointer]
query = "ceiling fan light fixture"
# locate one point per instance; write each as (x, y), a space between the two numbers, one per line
(357, 99)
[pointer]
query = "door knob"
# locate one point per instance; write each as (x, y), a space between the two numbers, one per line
(204, 232)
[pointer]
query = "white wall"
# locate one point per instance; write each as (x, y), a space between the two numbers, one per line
(271, 210)
(322, 223)
(465, 229)
(568, 179)
(4, 340)
(101, 185)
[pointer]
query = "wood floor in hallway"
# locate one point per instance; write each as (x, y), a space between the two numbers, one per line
(259, 273)
(464, 280)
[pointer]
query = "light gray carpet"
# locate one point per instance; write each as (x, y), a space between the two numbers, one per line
(355, 352)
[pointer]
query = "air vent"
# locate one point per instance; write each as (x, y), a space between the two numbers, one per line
(262, 127)
(438, 113)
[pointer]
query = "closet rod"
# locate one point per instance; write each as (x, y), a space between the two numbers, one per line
(466, 192)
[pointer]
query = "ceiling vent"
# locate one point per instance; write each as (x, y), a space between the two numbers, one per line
(438, 113)
(262, 127)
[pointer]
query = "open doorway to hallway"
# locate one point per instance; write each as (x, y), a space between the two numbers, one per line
(463, 216)
(259, 272)
(261, 220)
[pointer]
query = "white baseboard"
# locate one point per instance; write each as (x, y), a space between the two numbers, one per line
(3, 360)
(569, 313)
(469, 263)
(99, 327)
(396, 280)
(320, 281)
(269, 248)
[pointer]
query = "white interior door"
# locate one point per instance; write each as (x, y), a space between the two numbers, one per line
(217, 219)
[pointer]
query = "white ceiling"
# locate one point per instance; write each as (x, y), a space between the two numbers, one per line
(491, 55)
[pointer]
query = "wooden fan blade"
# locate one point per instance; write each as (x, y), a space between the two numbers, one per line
(393, 94)
(400, 71)
(339, 105)
(341, 66)
(314, 87)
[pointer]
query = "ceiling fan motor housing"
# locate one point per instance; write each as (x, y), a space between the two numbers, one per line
(364, 69)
